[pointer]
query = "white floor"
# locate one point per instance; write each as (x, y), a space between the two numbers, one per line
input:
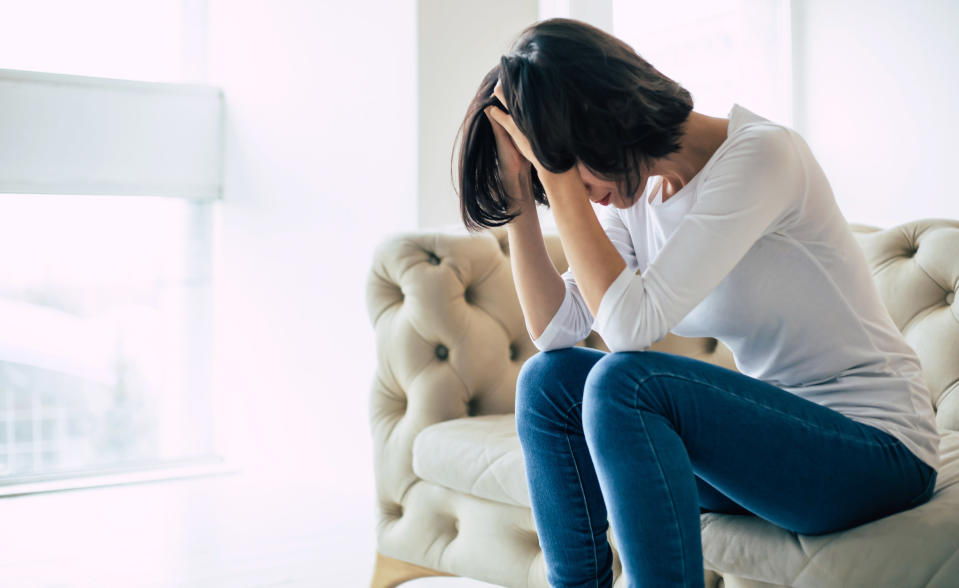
(232, 531)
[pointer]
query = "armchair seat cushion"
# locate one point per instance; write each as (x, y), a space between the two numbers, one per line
(480, 456)
(916, 547)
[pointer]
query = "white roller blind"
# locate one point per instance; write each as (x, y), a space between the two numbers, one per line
(64, 134)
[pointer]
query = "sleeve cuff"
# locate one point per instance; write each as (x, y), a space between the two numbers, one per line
(611, 299)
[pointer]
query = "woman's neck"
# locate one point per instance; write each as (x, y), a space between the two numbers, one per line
(702, 136)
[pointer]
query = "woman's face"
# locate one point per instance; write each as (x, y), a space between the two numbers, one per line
(606, 192)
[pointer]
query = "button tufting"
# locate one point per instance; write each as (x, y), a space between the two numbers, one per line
(468, 295)
(950, 297)
(513, 352)
(442, 352)
(434, 260)
(472, 406)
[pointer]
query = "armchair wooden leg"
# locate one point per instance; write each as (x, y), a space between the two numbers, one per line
(389, 572)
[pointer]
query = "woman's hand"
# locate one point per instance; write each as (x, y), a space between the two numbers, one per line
(519, 140)
(513, 151)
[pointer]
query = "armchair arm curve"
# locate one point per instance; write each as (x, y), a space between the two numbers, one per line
(450, 340)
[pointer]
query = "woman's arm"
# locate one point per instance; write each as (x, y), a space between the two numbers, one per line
(590, 253)
(556, 313)
(565, 320)
(539, 286)
(573, 321)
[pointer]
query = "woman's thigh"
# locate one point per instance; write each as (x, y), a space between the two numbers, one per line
(794, 462)
(560, 376)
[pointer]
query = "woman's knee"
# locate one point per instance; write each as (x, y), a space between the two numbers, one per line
(605, 394)
(534, 370)
(536, 374)
(552, 380)
(628, 377)
(616, 384)
(608, 380)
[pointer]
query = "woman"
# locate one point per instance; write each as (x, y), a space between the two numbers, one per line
(721, 227)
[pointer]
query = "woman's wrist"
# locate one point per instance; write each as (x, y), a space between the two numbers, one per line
(523, 206)
(520, 194)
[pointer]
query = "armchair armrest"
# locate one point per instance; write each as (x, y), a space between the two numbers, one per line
(450, 340)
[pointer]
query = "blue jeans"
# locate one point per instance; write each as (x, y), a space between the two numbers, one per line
(658, 438)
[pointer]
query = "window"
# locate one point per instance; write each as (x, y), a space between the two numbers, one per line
(106, 238)
(104, 347)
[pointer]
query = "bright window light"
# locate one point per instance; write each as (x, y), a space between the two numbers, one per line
(105, 301)
(103, 331)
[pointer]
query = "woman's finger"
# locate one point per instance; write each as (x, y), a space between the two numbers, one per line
(505, 121)
(499, 129)
(503, 137)
(515, 136)
(494, 113)
(501, 117)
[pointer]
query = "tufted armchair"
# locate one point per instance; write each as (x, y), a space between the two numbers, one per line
(451, 488)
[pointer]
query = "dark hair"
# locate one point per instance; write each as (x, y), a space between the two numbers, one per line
(578, 94)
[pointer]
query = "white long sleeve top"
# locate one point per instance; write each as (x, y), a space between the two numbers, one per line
(755, 252)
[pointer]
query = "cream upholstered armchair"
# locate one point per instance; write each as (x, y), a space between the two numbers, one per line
(451, 488)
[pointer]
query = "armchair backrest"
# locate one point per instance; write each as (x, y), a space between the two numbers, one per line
(916, 268)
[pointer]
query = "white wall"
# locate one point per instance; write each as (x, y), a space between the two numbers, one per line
(320, 166)
(876, 90)
(598, 13)
(733, 52)
(458, 43)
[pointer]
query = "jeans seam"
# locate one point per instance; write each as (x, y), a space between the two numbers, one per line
(659, 464)
(579, 480)
(802, 422)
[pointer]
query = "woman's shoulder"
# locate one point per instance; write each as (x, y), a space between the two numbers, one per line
(750, 130)
(760, 143)
(762, 136)
(759, 157)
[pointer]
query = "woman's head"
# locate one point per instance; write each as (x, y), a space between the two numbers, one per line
(584, 99)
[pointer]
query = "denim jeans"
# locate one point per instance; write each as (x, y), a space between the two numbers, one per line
(653, 439)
